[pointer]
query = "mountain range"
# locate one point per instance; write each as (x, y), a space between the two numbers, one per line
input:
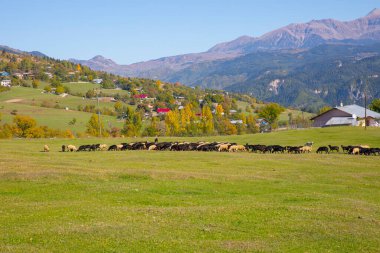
(17, 51)
(294, 36)
(323, 61)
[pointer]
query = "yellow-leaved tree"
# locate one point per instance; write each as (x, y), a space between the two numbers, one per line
(188, 125)
(207, 120)
(93, 126)
(79, 68)
(172, 123)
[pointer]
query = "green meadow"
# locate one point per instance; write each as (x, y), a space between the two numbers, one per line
(27, 101)
(162, 201)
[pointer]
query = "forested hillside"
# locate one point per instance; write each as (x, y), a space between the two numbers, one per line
(327, 74)
(62, 95)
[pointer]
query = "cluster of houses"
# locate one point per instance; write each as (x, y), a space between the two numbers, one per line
(178, 102)
(5, 80)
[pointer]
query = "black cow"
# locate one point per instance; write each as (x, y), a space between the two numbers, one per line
(112, 148)
(294, 150)
(323, 149)
(345, 148)
(83, 148)
(333, 148)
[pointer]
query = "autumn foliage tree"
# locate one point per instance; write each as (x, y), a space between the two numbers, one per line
(207, 123)
(93, 126)
(172, 123)
(23, 125)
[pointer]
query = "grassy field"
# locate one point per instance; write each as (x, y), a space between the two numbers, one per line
(83, 87)
(36, 96)
(141, 201)
(27, 101)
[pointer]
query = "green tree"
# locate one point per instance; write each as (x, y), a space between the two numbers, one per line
(59, 90)
(35, 83)
(152, 129)
(108, 84)
(72, 122)
(324, 109)
(375, 105)
(47, 88)
(26, 65)
(55, 82)
(118, 106)
(90, 93)
(133, 123)
(271, 112)
(93, 126)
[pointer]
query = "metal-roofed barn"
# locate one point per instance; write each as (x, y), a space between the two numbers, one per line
(349, 115)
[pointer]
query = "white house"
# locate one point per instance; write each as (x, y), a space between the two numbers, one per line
(97, 80)
(50, 75)
(5, 83)
(236, 121)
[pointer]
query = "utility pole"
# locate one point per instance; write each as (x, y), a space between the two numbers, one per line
(100, 127)
(365, 105)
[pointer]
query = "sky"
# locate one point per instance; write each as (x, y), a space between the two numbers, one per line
(139, 30)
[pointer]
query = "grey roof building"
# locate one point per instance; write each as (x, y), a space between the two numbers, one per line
(349, 115)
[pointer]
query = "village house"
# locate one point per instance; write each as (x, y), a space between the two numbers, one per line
(141, 96)
(163, 110)
(349, 115)
(18, 75)
(97, 80)
(236, 121)
(263, 125)
(4, 74)
(28, 75)
(6, 83)
(50, 75)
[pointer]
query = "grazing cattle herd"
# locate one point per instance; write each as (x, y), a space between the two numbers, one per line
(220, 147)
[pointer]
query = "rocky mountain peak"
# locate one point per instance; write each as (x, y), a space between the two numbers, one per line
(374, 13)
(102, 60)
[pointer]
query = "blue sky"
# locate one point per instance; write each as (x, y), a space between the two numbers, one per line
(136, 30)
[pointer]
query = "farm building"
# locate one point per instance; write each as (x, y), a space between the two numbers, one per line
(349, 115)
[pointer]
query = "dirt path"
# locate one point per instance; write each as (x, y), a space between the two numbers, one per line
(16, 100)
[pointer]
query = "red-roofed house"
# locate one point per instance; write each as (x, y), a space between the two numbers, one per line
(141, 96)
(163, 110)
